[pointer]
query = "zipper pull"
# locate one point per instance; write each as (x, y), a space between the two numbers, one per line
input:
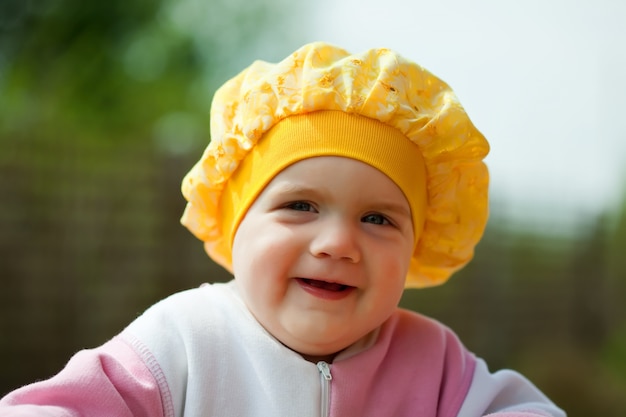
(324, 370)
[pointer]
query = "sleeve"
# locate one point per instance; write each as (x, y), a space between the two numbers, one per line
(110, 380)
(505, 394)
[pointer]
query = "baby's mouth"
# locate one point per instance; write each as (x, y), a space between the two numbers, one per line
(324, 285)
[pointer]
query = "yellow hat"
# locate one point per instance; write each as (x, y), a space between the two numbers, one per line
(394, 115)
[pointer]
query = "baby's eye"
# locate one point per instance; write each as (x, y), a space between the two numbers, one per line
(375, 219)
(300, 206)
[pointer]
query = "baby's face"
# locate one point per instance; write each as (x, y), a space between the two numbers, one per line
(321, 256)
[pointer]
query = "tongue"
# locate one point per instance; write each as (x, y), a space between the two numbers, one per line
(328, 286)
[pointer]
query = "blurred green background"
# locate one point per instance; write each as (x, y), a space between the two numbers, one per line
(103, 109)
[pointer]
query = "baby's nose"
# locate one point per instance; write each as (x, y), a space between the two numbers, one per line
(336, 239)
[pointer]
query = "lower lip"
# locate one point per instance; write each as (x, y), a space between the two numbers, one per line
(324, 294)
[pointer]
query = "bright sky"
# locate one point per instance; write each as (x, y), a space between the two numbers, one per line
(544, 80)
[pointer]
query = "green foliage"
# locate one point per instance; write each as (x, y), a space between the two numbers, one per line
(63, 74)
(110, 71)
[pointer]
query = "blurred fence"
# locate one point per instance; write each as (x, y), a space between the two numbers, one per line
(90, 237)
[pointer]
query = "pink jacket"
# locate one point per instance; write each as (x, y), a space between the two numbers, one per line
(201, 353)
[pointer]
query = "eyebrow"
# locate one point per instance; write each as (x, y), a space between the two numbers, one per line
(292, 188)
(394, 208)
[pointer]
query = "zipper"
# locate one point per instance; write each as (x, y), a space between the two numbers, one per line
(325, 378)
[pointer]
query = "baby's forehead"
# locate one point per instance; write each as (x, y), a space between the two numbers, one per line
(329, 170)
(340, 178)
(336, 163)
(335, 173)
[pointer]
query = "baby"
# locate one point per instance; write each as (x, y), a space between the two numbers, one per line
(332, 182)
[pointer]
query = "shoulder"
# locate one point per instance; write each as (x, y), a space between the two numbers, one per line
(467, 385)
(205, 304)
(205, 294)
(505, 393)
(174, 330)
(209, 307)
(176, 336)
(421, 358)
(426, 344)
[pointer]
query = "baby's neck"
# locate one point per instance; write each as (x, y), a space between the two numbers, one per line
(317, 359)
(359, 346)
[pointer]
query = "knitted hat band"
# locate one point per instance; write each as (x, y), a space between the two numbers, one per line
(326, 133)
